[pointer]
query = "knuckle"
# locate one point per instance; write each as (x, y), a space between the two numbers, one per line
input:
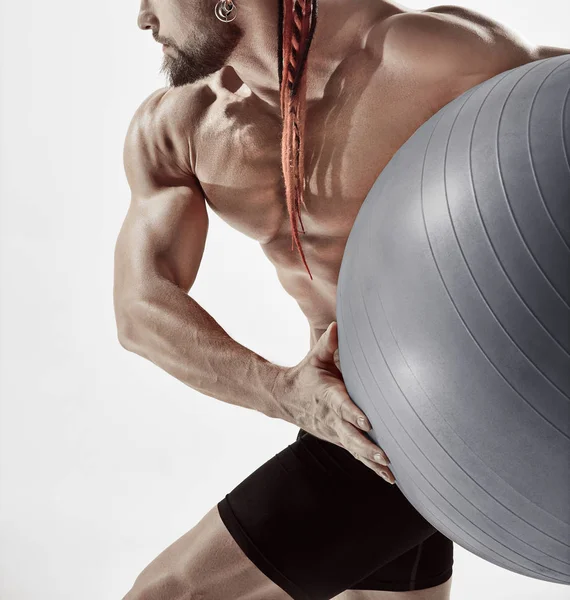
(353, 411)
(346, 408)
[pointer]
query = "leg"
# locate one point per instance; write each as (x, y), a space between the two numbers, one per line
(306, 525)
(318, 522)
(438, 592)
(206, 564)
(425, 569)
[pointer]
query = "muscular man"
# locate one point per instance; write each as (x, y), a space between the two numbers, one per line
(281, 124)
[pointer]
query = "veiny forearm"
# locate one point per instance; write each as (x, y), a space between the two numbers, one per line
(172, 330)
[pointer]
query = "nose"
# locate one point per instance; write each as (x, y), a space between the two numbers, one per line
(146, 19)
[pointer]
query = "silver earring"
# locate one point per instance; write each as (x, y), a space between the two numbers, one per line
(226, 11)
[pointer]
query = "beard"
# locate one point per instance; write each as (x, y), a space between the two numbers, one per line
(199, 58)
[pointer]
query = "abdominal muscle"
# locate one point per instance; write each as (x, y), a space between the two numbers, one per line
(315, 297)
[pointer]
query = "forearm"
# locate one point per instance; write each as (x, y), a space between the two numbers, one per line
(172, 330)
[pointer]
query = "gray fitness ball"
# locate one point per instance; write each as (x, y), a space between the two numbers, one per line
(454, 321)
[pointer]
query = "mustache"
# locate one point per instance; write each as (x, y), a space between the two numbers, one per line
(161, 40)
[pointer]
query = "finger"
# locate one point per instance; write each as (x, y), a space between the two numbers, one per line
(358, 443)
(384, 472)
(326, 344)
(333, 335)
(345, 408)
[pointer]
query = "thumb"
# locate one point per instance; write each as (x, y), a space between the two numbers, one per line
(327, 344)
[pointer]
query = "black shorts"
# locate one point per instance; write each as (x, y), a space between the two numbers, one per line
(317, 521)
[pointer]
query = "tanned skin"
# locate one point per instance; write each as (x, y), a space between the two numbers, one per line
(377, 71)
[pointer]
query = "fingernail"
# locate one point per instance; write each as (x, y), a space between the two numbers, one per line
(363, 424)
(380, 458)
(386, 477)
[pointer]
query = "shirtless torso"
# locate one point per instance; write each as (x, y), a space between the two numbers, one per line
(410, 65)
(215, 143)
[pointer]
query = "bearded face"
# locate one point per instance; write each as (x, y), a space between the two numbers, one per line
(196, 44)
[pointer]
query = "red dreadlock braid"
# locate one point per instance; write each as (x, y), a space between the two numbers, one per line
(298, 24)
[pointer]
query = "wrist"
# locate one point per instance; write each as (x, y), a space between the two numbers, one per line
(280, 390)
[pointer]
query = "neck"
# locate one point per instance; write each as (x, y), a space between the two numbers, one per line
(342, 28)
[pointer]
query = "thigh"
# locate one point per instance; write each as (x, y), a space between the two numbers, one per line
(426, 565)
(317, 522)
(204, 563)
(438, 592)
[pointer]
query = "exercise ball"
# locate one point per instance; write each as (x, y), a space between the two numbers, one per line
(454, 322)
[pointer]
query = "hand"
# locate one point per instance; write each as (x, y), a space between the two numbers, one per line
(313, 397)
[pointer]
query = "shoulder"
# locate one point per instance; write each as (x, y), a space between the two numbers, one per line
(450, 47)
(158, 143)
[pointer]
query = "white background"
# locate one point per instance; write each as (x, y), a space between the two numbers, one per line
(104, 458)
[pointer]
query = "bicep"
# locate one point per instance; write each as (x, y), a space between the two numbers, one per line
(164, 231)
(163, 234)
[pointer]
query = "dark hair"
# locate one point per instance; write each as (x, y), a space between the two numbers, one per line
(297, 22)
